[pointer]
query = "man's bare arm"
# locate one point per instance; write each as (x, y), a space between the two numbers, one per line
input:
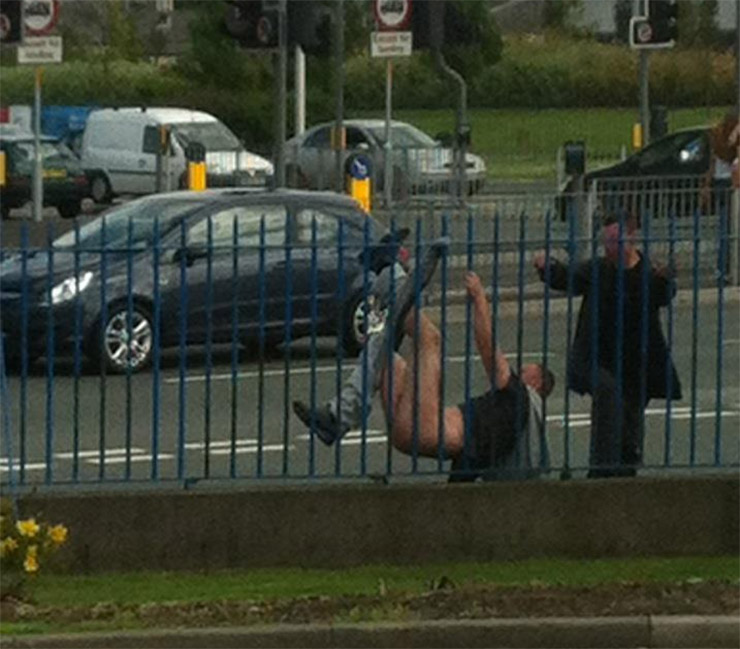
(496, 365)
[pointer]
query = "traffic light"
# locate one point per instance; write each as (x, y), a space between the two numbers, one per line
(658, 29)
(439, 23)
(310, 26)
(11, 16)
(254, 23)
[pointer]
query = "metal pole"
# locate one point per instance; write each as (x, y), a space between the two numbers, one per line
(339, 80)
(38, 168)
(300, 90)
(735, 206)
(388, 154)
(462, 106)
(282, 94)
(645, 96)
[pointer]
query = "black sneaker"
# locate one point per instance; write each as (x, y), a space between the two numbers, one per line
(325, 425)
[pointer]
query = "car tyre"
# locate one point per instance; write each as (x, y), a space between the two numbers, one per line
(115, 352)
(70, 209)
(353, 338)
(100, 190)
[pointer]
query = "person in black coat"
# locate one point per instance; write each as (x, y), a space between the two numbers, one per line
(618, 356)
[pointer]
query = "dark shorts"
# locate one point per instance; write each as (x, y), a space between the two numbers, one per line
(491, 429)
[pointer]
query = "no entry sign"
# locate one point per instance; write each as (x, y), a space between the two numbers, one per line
(392, 14)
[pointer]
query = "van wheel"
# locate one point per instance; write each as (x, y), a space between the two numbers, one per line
(69, 210)
(100, 190)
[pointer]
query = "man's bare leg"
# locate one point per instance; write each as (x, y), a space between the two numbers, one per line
(429, 381)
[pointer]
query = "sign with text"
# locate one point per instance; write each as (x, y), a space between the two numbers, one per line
(40, 50)
(40, 16)
(389, 44)
(392, 14)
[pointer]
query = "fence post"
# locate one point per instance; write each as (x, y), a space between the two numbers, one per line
(734, 238)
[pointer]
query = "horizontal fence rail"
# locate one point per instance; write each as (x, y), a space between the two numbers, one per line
(157, 351)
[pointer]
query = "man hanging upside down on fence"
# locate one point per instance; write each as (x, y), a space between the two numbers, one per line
(505, 433)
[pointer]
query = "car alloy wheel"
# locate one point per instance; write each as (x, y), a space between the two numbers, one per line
(375, 319)
(128, 348)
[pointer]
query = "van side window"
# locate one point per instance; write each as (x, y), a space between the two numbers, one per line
(151, 140)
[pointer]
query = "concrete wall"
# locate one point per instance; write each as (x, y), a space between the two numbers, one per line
(330, 526)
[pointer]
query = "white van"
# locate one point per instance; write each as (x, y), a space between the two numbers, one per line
(119, 149)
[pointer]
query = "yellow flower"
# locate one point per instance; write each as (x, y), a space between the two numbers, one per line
(29, 528)
(30, 564)
(58, 534)
(7, 546)
(33, 551)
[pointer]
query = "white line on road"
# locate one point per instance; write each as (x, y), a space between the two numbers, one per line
(303, 370)
(133, 458)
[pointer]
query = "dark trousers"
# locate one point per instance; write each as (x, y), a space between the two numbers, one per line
(616, 445)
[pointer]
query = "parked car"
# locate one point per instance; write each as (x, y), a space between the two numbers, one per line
(668, 177)
(420, 163)
(120, 145)
(65, 183)
(120, 294)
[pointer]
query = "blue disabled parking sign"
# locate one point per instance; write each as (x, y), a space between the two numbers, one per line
(359, 167)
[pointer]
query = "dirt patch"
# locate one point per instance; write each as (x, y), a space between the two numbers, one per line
(446, 602)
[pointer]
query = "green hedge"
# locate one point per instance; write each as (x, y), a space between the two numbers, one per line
(534, 72)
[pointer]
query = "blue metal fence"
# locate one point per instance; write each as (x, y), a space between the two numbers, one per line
(230, 333)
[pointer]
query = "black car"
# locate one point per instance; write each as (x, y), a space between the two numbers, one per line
(667, 178)
(65, 182)
(126, 270)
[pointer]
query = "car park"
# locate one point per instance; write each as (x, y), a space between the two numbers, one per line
(64, 183)
(120, 148)
(246, 258)
(421, 164)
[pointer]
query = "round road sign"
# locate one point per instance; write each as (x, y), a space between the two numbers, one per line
(5, 27)
(392, 14)
(644, 33)
(40, 16)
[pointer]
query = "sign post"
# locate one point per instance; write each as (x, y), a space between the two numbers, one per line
(391, 17)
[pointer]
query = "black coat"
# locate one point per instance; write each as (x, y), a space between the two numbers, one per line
(637, 284)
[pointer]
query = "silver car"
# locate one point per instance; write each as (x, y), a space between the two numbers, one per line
(421, 165)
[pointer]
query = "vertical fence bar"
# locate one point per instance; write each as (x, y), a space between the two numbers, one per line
(50, 359)
(77, 361)
(314, 320)
(618, 437)
(442, 350)
(234, 344)
(129, 339)
(520, 329)
(595, 296)
(24, 351)
(468, 352)
(156, 349)
(341, 323)
(209, 351)
(288, 341)
(546, 328)
(103, 346)
(182, 392)
(365, 312)
(261, 376)
(644, 325)
(417, 326)
(572, 249)
(667, 360)
(720, 337)
(694, 337)
(390, 360)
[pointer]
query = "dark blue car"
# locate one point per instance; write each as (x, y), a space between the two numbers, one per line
(246, 258)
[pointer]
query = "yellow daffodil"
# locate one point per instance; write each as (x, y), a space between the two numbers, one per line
(29, 528)
(58, 534)
(31, 564)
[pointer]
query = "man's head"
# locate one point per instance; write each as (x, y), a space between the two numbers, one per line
(613, 231)
(539, 378)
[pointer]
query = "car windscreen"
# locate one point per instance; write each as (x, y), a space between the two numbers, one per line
(135, 220)
(404, 136)
(214, 136)
(22, 153)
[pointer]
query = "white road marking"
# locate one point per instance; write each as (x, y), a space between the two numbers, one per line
(319, 369)
(96, 453)
(133, 458)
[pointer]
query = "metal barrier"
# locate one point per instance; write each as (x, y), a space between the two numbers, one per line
(232, 332)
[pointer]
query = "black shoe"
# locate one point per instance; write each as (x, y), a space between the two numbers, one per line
(323, 423)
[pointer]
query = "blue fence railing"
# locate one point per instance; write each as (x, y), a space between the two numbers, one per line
(170, 342)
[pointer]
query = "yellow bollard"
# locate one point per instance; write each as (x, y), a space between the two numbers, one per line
(3, 169)
(358, 185)
(196, 176)
(637, 136)
(360, 191)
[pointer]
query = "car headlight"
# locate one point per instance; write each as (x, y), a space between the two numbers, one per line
(70, 287)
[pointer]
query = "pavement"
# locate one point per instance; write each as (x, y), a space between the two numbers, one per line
(638, 631)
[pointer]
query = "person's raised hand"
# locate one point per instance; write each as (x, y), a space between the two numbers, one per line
(473, 285)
